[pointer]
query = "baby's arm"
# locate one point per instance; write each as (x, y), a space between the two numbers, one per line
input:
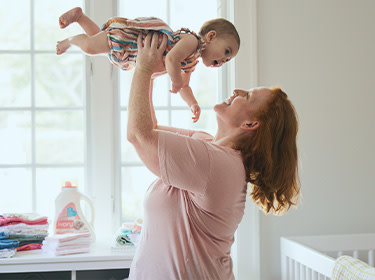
(188, 96)
(185, 47)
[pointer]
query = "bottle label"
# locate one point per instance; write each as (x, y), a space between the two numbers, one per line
(69, 221)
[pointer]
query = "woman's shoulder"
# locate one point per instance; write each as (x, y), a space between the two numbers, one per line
(202, 135)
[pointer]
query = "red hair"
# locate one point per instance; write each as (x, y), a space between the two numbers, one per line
(270, 156)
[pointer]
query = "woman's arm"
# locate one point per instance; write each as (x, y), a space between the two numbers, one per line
(185, 47)
(140, 129)
(182, 131)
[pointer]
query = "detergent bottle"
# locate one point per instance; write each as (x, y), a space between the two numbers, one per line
(69, 216)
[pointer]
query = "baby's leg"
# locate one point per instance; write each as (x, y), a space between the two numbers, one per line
(76, 15)
(91, 45)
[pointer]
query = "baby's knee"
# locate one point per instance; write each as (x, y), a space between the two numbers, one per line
(89, 48)
(97, 44)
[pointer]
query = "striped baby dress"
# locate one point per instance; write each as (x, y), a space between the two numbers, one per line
(122, 34)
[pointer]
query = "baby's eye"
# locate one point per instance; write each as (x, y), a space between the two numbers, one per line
(226, 52)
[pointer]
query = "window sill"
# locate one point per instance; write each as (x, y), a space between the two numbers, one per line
(101, 257)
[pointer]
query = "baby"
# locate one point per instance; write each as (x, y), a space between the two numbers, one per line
(217, 43)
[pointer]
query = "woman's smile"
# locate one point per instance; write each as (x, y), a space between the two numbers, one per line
(235, 94)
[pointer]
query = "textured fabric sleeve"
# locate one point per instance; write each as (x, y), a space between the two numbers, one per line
(184, 162)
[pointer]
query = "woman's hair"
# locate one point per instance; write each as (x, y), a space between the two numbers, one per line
(270, 156)
(222, 27)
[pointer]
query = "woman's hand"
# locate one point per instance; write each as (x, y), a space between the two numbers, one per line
(150, 53)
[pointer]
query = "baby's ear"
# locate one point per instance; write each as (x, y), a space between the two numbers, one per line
(211, 35)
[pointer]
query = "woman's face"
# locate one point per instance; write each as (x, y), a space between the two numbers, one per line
(242, 105)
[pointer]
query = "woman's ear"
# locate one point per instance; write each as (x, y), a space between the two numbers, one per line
(250, 125)
(210, 35)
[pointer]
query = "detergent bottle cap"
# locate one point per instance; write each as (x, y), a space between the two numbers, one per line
(68, 185)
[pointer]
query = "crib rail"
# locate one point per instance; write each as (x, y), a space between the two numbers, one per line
(313, 257)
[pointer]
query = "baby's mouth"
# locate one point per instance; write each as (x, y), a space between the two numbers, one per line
(214, 63)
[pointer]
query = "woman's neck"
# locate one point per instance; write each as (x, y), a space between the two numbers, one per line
(222, 139)
(227, 137)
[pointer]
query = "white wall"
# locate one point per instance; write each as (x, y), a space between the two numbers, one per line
(322, 53)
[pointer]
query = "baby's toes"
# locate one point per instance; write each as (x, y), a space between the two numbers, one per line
(62, 22)
(58, 49)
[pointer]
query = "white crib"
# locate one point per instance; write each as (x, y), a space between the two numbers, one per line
(313, 257)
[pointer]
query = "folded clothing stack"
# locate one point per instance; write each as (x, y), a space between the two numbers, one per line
(66, 244)
(127, 235)
(7, 246)
(28, 229)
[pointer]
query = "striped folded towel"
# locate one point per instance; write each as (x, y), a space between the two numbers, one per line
(349, 268)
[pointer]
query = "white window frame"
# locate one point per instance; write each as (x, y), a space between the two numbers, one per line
(102, 129)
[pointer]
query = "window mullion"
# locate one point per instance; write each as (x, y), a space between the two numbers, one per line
(100, 130)
(32, 79)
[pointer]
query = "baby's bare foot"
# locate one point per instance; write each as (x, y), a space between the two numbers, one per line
(70, 16)
(62, 46)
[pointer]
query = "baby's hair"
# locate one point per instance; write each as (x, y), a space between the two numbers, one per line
(222, 27)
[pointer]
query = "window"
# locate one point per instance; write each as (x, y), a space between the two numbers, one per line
(57, 120)
(169, 108)
(42, 106)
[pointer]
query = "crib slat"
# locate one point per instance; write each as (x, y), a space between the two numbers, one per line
(291, 269)
(355, 254)
(296, 271)
(308, 273)
(285, 267)
(371, 257)
(303, 272)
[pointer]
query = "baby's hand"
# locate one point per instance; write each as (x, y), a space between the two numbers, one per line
(176, 87)
(196, 111)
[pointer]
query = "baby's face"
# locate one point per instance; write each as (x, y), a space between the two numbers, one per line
(219, 50)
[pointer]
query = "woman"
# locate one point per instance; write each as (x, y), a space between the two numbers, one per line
(192, 211)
